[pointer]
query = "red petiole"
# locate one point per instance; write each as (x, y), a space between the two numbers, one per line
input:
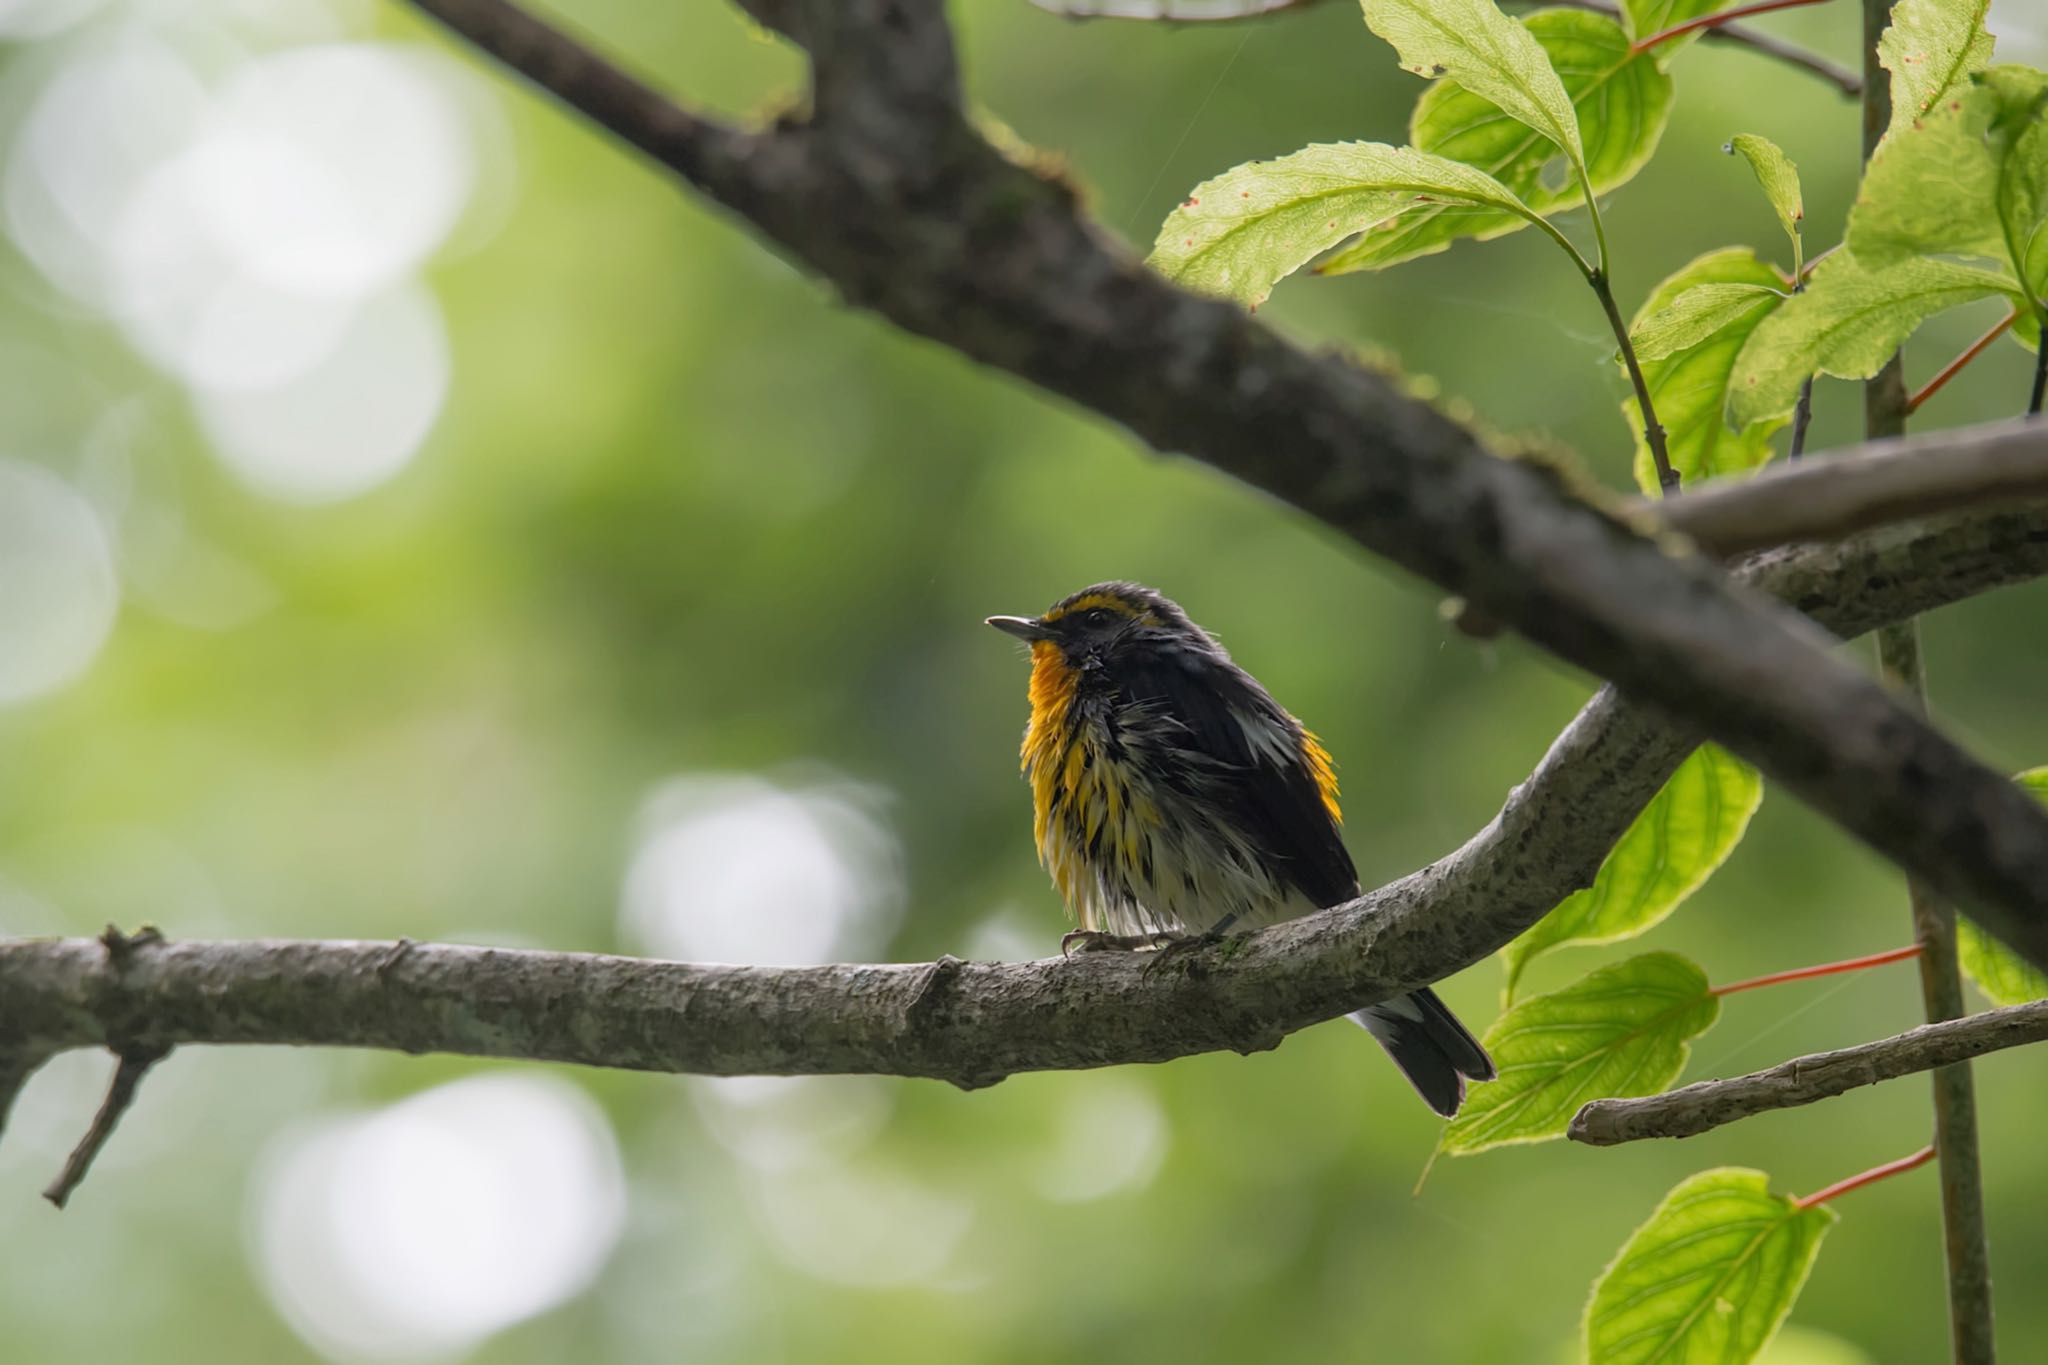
(1716, 20)
(1869, 1177)
(1949, 370)
(1854, 964)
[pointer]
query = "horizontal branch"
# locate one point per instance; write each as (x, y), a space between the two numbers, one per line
(1836, 495)
(973, 1024)
(1706, 1105)
(1230, 11)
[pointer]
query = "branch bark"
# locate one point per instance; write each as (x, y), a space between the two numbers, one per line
(975, 1023)
(1707, 1105)
(1838, 494)
(888, 192)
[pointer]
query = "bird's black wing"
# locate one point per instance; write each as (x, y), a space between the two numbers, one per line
(1272, 798)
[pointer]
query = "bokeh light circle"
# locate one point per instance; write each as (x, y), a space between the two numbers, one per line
(350, 422)
(418, 1231)
(739, 869)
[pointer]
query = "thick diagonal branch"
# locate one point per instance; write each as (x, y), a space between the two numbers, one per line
(974, 1023)
(1706, 1105)
(890, 193)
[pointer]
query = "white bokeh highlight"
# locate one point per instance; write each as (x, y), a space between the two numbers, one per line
(350, 423)
(740, 869)
(58, 590)
(258, 235)
(773, 1124)
(417, 1232)
(1112, 1137)
(862, 1224)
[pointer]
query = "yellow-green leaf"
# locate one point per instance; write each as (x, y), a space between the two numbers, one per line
(1241, 233)
(1931, 188)
(1688, 829)
(1491, 55)
(1708, 1278)
(1622, 100)
(1697, 314)
(1847, 323)
(1931, 48)
(1779, 177)
(1625, 1029)
(2001, 974)
(1689, 385)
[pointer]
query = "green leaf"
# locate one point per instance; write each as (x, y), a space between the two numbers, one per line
(1931, 48)
(2002, 975)
(1708, 1278)
(1489, 54)
(1622, 99)
(1247, 229)
(1779, 177)
(1686, 831)
(1969, 178)
(1689, 386)
(1847, 323)
(1698, 314)
(1622, 1030)
(1932, 188)
(2019, 142)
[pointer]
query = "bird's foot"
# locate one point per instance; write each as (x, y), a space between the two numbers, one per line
(1097, 941)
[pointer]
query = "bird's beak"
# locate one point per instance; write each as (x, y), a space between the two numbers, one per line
(1023, 627)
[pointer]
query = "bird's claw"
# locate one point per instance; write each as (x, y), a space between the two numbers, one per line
(1099, 941)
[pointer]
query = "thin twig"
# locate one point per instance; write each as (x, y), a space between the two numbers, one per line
(1869, 1177)
(1955, 1101)
(1955, 367)
(1171, 12)
(134, 1065)
(1653, 430)
(1717, 20)
(1854, 964)
(1802, 416)
(1706, 1105)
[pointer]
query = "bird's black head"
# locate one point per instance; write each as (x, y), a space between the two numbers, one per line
(1096, 624)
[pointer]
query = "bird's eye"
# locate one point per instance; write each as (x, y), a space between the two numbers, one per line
(1099, 616)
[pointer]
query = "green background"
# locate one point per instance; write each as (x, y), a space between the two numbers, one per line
(682, 514)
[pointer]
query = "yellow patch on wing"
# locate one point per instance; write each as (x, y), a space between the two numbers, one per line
(1324, 770)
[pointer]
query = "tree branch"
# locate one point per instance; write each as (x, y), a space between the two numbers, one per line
(975, 1023)
(133, 1064)
(1227, 11)
(1706, 1105)
(1839, 494)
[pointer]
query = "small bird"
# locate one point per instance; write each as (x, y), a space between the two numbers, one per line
(1175, 798)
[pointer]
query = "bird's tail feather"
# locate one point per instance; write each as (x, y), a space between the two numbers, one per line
(1434, 1051)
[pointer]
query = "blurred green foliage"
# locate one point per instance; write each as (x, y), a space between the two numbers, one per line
(683, 513)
